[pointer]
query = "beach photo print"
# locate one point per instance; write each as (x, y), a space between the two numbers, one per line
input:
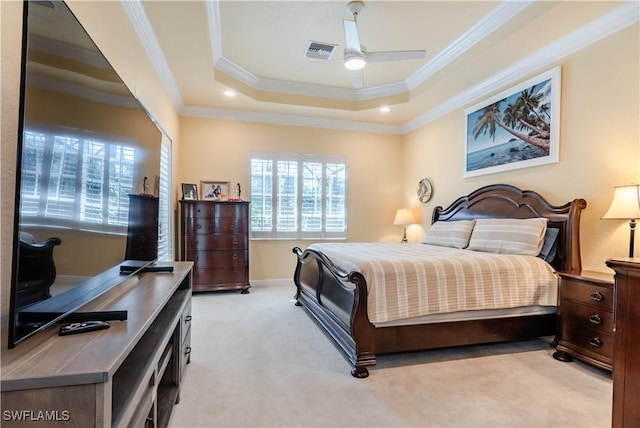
(517, 128)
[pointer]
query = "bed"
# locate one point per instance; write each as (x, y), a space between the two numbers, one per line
(337, 294)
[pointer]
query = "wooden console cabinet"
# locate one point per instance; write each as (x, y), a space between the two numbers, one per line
(215, 237)
(142, 232)
(585, 319)
(626, 352)
(127, 375)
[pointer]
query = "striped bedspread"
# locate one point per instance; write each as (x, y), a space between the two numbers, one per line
(411, 280)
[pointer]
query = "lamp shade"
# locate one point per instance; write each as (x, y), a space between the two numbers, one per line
(404, 216)
(625, 204)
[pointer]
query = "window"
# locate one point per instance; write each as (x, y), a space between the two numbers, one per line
(165, 247)
(298, 196)
(75, 180)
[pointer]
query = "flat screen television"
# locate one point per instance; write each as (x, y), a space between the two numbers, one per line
(85, 144)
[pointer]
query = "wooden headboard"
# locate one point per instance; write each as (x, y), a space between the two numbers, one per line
(506, 201)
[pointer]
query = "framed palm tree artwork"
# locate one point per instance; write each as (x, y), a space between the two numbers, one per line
(516, 128)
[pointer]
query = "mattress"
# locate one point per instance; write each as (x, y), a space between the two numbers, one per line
(406, 281)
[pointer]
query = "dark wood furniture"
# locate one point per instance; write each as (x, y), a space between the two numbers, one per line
(585, 319)
(37, 271)
(337, 300)
(626, 351)
(127, 375)
(215, 237)
(142, 232)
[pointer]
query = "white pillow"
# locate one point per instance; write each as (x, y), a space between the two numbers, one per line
(453, 234)
(509, 236)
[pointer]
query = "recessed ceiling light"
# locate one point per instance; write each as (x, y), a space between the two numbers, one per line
(229, 93)
(385, 109)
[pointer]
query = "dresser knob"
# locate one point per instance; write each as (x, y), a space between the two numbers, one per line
(198, 226)
(236, 257)
(595, 319)
(187, 319)
(596, 342)
(232, 227)
(194, 242)
(234, 242)
(597, 296)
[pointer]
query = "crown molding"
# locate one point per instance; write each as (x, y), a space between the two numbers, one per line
(616, 20)
(502, 13)
(290, 120)
(497, 17)
(147, 36)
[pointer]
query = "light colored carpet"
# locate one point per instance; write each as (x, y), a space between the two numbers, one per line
(260, 361)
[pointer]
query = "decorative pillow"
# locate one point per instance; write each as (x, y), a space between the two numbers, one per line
(453, 234)
(509, 236)
(550, 244)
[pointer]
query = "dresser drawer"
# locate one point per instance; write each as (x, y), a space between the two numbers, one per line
(587, 340)
(185, 323)
(196, 225)
(185, 358)
(225, 241)
(587, 293)
(231, 225)
(587, 316)
(217, 258)
(198, 209)
(234, 275)
(231, 210)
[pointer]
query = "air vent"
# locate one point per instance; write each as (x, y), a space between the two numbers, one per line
(319, 50)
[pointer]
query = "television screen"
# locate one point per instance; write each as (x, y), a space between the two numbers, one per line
(85, 145)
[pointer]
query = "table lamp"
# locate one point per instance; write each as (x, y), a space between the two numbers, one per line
(625, 206)
(404, 217)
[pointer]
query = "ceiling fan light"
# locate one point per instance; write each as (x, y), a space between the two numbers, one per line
(354, 62)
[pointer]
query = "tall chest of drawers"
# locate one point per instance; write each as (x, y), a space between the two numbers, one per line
(142, 233)
(215, 237)
(586, 319)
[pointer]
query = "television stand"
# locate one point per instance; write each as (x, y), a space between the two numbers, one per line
(127, 375)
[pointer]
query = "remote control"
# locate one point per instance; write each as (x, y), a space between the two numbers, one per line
(83, 327)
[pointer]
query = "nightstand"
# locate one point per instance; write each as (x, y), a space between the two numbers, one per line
(585, 319)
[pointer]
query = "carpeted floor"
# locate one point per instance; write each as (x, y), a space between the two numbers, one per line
(260, 361)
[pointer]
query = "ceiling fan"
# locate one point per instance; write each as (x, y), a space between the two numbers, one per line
(356, 57)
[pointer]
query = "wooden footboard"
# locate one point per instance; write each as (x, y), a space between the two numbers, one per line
(337, 300)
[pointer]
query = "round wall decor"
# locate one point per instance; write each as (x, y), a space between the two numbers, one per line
(424, 190)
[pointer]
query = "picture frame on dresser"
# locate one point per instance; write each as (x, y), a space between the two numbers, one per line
(213, 190)
(189, 192)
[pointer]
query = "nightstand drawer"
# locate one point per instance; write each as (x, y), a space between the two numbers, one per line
(587, 316)
(587, 340)
(587, 293)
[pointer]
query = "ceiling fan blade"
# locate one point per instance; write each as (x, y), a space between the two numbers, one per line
(352, 41)
(384, 56)
(358, 78)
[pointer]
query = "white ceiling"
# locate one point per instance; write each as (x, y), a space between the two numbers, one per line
(200, 49)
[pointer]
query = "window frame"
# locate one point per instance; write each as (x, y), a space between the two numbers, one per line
(300, 159)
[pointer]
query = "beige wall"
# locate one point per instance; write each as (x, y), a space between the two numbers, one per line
(219, 150)
(599, 147)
